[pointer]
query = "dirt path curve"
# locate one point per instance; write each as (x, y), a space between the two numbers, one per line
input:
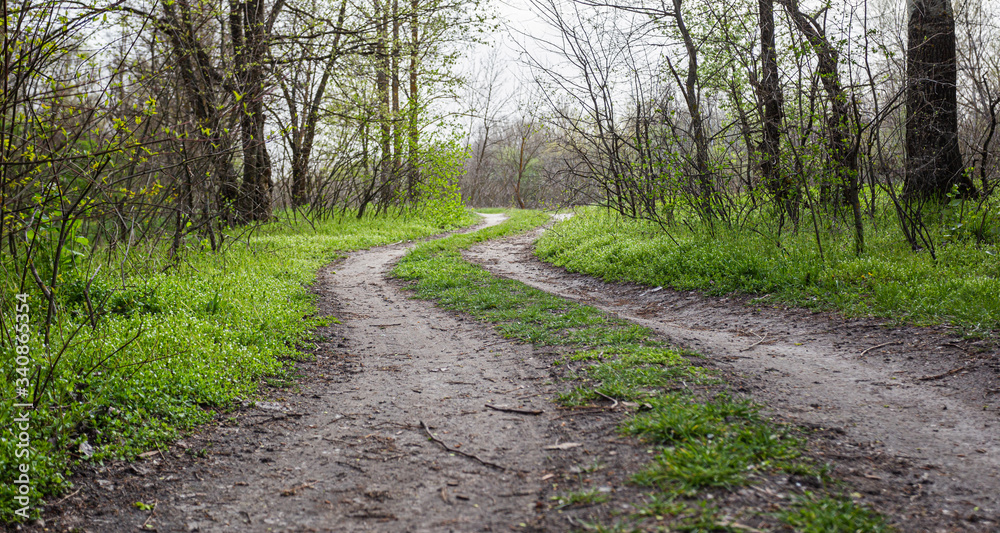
(357, 459)
(345, 450)
(808, 366)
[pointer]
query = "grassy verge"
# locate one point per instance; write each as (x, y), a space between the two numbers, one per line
(961, 288)
(703, 441)
(171, 346)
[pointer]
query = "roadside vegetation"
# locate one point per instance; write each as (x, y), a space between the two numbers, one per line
(140, 360)
(705, 439)
(959, 286)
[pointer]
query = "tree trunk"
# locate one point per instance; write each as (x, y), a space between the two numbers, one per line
(249, 49)
(397, 131)
(933, 159)
(201, 84)
(706, 189)
(772, 100)
(382, 68)
(413, 175)
(303, 134)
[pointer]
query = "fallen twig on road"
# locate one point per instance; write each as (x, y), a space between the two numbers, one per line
(609, 398)
(884, 344)
(943, 374)
(291, 491)
(77, 491)
(459, 452)
(754, 345)
(145, 525)
(519, 411)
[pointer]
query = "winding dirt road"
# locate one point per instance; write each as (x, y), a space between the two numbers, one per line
(347, 448)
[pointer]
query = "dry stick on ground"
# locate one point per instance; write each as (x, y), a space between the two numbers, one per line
(883, 345)
(943, 374)
(77, 491)
(953, 345)
(145, 525)
(519, 411)
(459, 452)
(291, 491)
(609, 398)
(754, 345)
(737, 525)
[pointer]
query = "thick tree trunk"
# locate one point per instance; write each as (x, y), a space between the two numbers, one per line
(397, 130)
(303, 133)
(201, 84)
(706, 188)
(772, 99)
(933, 159)
(249, 38)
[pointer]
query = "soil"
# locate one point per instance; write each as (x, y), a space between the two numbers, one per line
(346, 447)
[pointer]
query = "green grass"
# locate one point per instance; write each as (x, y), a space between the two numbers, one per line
(824, 514)
(962, 287)
(211, 328)
(580, 498)
(702, 441)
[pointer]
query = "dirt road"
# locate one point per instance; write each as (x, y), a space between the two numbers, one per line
(346, 449)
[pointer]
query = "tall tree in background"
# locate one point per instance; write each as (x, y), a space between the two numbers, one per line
(933, 160)
(772, 101)
(304, 97)
(250, 31)
(203, 84)
(382, 74)
(413, 103)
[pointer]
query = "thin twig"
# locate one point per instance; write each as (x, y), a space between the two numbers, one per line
(459, 452)
(754, 345)
(292, 490)
(884, 344)
(511, 410)
(953, 345)
(943, 374)
(386, 325)
(582, 411)
(737, 525)
(608, 397)
(77, 491)
(145, 525)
